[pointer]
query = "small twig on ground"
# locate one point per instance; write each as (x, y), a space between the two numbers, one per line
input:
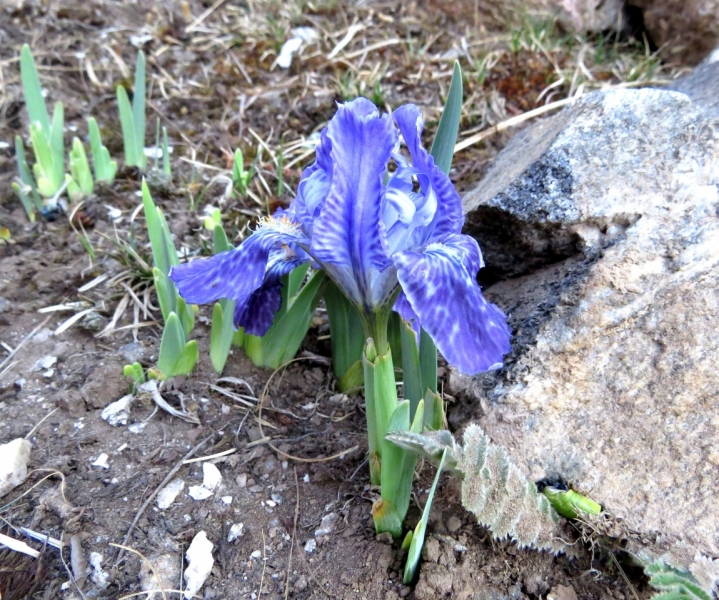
(40, 422)
(192, 26)
(151, 497)
(513, 122)
(210, 457)
(264, 564)
(294, 534)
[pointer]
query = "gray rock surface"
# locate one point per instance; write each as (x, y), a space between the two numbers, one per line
(702, 85)
(605, 222)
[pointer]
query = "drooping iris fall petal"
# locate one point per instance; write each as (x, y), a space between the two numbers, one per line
(256, 312)
(237, 274)
(440, 286)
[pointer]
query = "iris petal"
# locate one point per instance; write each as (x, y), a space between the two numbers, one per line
(314, 186)
(237, 273)
(406, 312)
(448, 215)
(346, 233)
(256, 313)
(441, 288)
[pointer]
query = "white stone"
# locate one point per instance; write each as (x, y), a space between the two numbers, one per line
(327, 525)
(284, 58)
(169, 493)
(199, 492)
(101, 461)
(44, 363)
(100, 577)
(199, 564)
(14, 457)
(211, 476)
(236, 531)
(164, 575)
(118, 412)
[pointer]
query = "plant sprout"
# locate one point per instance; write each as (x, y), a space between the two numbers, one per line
(46, 136)
(132, 118)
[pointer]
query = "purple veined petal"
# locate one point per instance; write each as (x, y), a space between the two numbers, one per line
(449, 215)
(237, 273)
(314, 186)
(408, 215)
(256, 312)
(406, 312)
(441, 288)
(347, 232)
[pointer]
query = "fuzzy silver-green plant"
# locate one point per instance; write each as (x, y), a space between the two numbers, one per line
(493, 488)
(673, 583)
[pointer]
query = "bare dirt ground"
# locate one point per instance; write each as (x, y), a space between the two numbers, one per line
(213, 83)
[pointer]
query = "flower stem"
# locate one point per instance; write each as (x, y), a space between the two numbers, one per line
(380, 388)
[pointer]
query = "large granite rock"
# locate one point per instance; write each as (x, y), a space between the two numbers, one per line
(702, 85)
(604, 222)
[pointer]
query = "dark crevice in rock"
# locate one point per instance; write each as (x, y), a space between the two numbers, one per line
(512, 248)
(633, 26)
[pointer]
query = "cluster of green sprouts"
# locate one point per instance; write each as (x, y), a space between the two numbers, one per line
(41, 187)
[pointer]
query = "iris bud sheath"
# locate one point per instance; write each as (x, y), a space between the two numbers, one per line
(380, 401)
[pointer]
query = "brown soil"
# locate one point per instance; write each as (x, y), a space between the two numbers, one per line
(197, 78)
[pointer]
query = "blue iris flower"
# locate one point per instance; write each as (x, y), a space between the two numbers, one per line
(388, 240)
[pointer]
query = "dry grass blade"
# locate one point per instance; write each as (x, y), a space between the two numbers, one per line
(211, 457)
(119, 312)
(147, 562)
(24, 341)
(513, 122)
(17, 546)
(151, 387)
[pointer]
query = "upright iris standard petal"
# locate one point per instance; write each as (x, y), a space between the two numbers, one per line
(441, 288)
(345, 237)
(256, 312)
(449, 217)
(314, 186)
(237, 273)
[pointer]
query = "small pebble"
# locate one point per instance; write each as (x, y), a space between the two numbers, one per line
(101, 461)
(236, 531)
